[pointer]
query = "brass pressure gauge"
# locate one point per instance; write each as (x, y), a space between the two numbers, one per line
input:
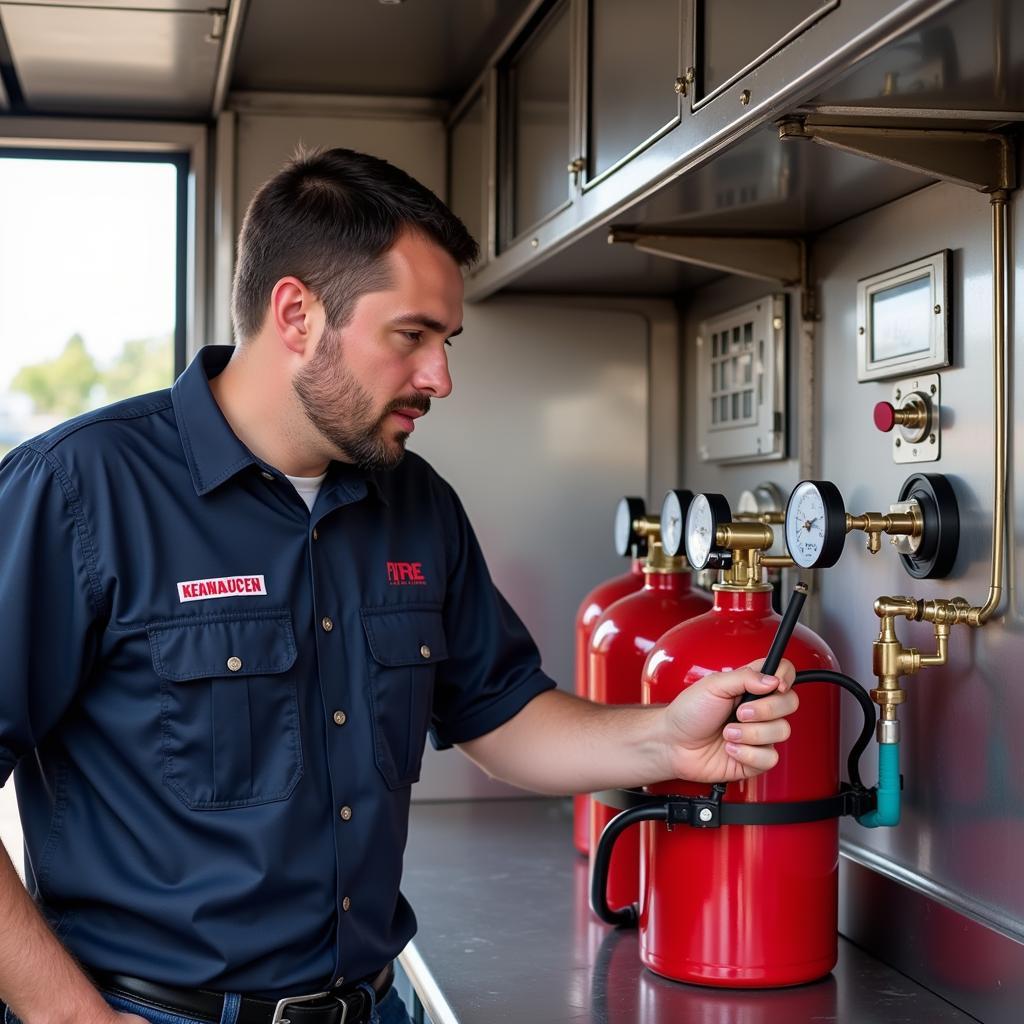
(815, 524)
(706, 514)
(673, 521)
(630, 538)
(924, 525)
(715, 540)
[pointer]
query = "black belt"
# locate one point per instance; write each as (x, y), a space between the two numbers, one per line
(350, 1005)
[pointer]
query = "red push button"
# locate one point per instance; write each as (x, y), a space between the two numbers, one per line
(885, 417)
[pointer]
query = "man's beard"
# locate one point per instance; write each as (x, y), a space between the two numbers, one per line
(341, 409)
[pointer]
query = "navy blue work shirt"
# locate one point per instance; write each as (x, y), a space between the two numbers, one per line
(217, 702)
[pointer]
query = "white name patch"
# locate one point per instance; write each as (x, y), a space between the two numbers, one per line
(222, 586)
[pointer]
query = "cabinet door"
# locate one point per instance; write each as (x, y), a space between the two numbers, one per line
(536, 126)
(733, 36)
(467, 162)
(634, 60)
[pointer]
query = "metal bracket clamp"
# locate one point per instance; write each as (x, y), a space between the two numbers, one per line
(984, 161)
(710, 812)
(763, 257)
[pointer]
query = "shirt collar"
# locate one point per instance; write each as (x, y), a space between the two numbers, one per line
(214, 452)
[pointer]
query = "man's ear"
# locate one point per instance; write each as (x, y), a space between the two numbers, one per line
(293, 314)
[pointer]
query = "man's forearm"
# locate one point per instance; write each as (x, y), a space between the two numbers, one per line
(39, 980)
(562, 744)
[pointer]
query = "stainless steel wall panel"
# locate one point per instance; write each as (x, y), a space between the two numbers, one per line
(975, 966)
(962, 837)
(952, 868)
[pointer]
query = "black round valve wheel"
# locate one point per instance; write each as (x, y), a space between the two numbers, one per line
(940, 531)
(627, 540)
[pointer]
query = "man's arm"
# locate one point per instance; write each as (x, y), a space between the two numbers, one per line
(48, 613)
(560, 744)
(39, 980)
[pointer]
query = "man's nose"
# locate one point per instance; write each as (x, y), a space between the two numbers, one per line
(431, 376)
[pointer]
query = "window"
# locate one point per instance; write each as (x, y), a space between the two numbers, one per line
(92, 290)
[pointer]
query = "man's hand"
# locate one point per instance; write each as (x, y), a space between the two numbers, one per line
(703, 748)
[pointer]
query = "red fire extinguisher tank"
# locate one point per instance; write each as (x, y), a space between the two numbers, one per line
(623, 637)
(593, 607)
(627, 540)
(745, 905)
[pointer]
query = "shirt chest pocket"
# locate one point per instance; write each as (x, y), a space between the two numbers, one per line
(229, 713)
(405, 646)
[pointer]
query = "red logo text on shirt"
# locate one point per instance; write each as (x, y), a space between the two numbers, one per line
(222, 586)
(406, 574)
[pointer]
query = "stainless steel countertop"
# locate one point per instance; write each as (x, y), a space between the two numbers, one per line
(506, 935)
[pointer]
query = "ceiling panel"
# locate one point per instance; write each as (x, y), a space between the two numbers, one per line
(113, 62)
(128, 5)
(418, 48)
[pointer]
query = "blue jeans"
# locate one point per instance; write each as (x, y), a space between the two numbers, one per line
(391, 1011)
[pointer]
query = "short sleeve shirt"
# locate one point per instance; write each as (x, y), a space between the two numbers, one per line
(215, 701)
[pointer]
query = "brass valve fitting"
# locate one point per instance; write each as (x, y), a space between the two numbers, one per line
(746, 542)
(874, 524)
(890, 660)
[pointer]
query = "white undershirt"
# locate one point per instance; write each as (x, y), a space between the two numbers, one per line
(308, 487)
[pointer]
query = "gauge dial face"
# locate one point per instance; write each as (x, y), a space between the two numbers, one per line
(626, 513)
(815, 524)
(673, 522)
(700, 532)
(623, 526)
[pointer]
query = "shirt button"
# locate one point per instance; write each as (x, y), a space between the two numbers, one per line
(340, 718)
(345, 813)
(234, 664)
(346, 903)
(327, 624)
(425, 651)
(316, 536)
(266, 475)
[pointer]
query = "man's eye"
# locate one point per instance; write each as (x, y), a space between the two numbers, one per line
(413, 335)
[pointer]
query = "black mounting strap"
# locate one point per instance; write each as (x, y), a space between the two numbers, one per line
(711, 812)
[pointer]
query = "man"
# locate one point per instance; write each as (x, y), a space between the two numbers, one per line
(231, 611)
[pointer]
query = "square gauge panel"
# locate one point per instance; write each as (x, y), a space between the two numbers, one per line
(902, 319)
(742, 392)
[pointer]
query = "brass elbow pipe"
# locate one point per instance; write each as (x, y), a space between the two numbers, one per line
(891, 660)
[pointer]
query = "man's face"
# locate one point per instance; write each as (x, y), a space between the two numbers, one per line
(368, 382)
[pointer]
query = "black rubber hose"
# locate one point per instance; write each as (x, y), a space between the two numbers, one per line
(626, 917)
(867, 706)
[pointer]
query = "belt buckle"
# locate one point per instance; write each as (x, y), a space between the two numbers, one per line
(283, 1004)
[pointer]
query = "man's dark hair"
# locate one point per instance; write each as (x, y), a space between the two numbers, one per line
(328, 217)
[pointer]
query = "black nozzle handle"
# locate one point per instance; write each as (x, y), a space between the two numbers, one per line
(627, 916)
(782, 636)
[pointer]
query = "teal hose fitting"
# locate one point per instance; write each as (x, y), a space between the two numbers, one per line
(888, 811)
